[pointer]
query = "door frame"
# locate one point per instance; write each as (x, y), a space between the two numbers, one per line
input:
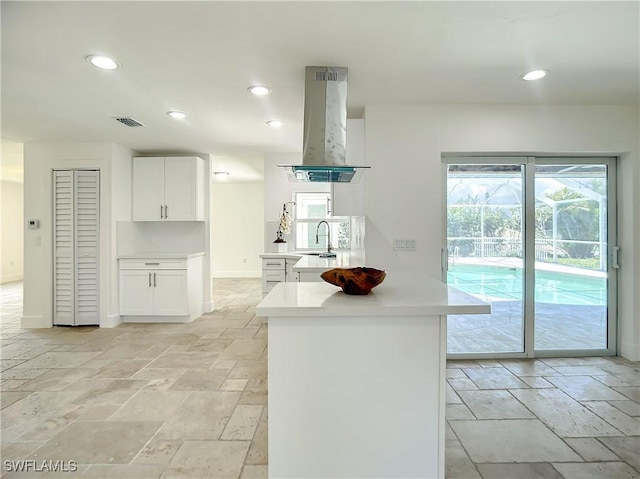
(529, 161)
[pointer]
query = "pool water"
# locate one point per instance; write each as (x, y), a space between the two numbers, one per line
(503, 283)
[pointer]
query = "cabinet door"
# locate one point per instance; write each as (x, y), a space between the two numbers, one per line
(170, 295)
(182, 188)
(148, 189)
(136, 294)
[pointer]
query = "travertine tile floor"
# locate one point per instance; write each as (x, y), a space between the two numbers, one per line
(190, 401)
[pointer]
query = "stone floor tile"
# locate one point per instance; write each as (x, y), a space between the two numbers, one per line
(461, 384)
(585, 388)
(249, 369)
(22, 373)
(159, 373)
(532, 470)
(580, 371)
(124, 471)
(494, 378)
(233, 385)
(113, 443)
(631, 392)
(564, 415)
(457, 463)
(122, 368)
(456, 374)
(184, 360)
(158, 451)
(245, 333)
(9, 397)
(244, 349)
(452, 396)
(517, 440)
(591, 449)
(529, 367)
(626, 448)
(630, 408)
(150, 406)
(536, 382)
(59, 359)
(211, 459)
(200, 380)
(242, 423)
(458, 411)
(254, 472)
(495, 404)
(56, 379)
(259, 449)
(627, 424)
(597, 470)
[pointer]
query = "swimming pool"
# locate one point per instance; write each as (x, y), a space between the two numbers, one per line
(504, 283)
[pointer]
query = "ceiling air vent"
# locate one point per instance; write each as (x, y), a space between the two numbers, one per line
(130, 122)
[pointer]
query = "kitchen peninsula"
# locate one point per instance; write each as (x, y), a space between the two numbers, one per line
(357, 383)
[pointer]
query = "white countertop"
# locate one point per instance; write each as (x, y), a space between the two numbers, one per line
(401, 294)
(315, 264)
(160, 255)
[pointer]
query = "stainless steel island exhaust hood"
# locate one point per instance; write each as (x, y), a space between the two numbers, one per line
(324, 156)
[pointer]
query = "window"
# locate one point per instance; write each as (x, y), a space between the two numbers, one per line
(311, 209)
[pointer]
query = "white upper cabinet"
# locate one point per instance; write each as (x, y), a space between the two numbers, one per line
(168, 188)
(348, 198)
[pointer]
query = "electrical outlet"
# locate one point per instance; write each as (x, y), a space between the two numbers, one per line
(404, 244)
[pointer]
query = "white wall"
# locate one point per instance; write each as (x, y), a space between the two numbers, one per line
(12, 224)
(39, 161)
(405, 196)
(278, 190)
(237, 229)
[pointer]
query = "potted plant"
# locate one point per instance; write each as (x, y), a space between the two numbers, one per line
(284, 228)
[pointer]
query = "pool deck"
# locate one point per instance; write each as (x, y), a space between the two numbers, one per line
(558, 326)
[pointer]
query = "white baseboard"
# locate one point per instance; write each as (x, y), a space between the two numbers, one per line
(629, 350)
(9, 278)
(35, 322)
(156, 319)
(237, 274)
(111, 321)
(207, 306)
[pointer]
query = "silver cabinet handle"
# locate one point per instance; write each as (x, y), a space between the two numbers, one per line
(154, 280)
(149, 279)
(166, 212)
(161, 212)
(152, 264)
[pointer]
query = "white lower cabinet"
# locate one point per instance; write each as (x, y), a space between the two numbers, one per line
(309, 277)
(160, 288)
(277, 270)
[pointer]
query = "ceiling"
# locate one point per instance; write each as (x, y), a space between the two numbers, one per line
(200, 57)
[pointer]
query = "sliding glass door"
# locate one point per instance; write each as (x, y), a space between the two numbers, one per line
(532, 237)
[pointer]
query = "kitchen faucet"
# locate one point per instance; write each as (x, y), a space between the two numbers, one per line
(328, 254)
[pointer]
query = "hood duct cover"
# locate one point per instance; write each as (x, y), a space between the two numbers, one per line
(325, 129)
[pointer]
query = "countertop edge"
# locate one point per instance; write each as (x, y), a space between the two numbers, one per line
(161, 255)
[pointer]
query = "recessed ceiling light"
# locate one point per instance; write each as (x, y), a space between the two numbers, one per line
(100, 61)
(259, 90)
(221, 175)
(177, 115)
(275, 123)
(534, 75)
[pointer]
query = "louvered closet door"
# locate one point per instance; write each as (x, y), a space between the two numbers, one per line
(76, 235)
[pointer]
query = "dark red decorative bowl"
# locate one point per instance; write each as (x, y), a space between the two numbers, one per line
(354, 280)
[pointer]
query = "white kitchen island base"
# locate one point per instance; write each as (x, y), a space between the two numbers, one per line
(357, 383)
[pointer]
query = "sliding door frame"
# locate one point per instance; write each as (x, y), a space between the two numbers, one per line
(529, 162)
